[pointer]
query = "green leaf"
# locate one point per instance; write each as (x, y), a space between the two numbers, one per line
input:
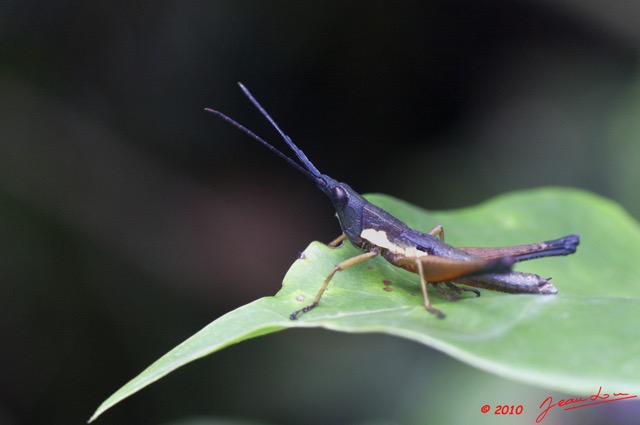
(578, 340)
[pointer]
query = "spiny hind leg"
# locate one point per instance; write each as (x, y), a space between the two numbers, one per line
(343, 265)
(451, 295)
(455, 291)
(460, 289)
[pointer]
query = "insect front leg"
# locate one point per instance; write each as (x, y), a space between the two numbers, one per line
(338, 267)
(337, 241)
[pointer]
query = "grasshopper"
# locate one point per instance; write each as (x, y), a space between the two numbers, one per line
(376, 232)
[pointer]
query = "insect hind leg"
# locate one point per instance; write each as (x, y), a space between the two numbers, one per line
(454, 292)
(459, 289)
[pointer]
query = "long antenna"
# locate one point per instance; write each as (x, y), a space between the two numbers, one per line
(301, 156)
(310, 171)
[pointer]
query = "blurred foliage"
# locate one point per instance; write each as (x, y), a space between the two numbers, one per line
(129, 218)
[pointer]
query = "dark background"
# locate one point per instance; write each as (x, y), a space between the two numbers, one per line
(129, 218)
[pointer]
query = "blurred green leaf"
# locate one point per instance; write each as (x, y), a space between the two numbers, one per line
(576, 341)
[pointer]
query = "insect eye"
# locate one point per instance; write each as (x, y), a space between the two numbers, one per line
(340, 193)
(340, 196)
